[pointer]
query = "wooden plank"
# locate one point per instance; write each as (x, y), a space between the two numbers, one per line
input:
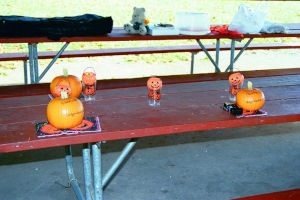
(282, 195)
(118, 34)
(145, 50)
(44, 88)
(130, 116)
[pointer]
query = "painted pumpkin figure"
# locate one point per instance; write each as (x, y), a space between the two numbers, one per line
(154, 85)
(250, 99)
(65, 112)
(62, 82)
(88, 78)
(235, 80)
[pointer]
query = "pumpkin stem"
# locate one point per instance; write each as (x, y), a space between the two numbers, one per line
(65, 71)
(63, 95)
(250, 85)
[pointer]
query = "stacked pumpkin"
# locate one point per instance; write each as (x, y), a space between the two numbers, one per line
(65, 110)
(250, 99)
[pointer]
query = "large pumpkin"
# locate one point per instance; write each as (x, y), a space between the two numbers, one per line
(250, 99)
(61, 83)
(65, 112)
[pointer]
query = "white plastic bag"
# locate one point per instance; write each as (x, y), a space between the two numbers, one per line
(249, 20)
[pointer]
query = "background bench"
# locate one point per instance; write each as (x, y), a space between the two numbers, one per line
(193, 49)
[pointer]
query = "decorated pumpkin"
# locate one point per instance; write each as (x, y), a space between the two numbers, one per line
(236, 79)
(154, 83)
(250, 99)
(89, 78)
(65, 112)
(64, 82)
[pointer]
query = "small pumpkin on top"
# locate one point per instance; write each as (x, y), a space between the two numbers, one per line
(69, 83)
(250, 99)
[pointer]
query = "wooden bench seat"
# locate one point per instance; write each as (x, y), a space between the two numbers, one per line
(144, 50)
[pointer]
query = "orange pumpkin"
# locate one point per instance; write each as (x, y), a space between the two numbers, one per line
(88, 78)
(250, 99)
(154, 83)
(65, 112)
(236, 79)
(60, 83)
(146, 21)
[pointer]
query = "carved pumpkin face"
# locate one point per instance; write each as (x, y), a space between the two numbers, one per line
(154, 83)
(89, 78)
(250, 99)
(236, 79)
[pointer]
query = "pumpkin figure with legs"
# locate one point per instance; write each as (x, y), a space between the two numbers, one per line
(89, 84)
(250, 99)
(154, 85)
(236, 81)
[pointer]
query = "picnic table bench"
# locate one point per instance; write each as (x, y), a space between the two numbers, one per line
(188, 103)
(118, 34)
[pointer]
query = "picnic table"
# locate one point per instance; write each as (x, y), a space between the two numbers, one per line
(188, 103)
(118, 34)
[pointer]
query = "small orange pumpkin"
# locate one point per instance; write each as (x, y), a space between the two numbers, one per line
(250, 99)
(65, 112)
(146, 21)
(154, 83)
(60, 82)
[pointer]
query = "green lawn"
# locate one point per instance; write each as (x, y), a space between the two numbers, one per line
(157, 11)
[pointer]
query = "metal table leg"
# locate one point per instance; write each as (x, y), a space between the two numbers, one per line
(54, 60)
(86, 157)
(119, 161)
(35, 63)
(239, 54)
(31, 63)
(96, 149)
(217, 69)
(25, 72)
(72, 179)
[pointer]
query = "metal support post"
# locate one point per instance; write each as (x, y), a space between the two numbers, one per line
(54, 59)
(96, 149)
(217, 52)
(71, 175)
(35, 63)
(119, 161)
(217, 69)
(192, 62)
(240, 52)
(86, 157)
(25, 72)
(31, 61)
(232, 49)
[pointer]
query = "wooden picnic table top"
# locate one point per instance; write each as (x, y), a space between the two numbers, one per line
(118, 34)
(189, 103)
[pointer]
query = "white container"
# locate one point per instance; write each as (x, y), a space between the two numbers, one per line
(193, 23)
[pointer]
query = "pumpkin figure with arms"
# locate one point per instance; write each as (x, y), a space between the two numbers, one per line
(236, 81)
(250, 99)
(154, 85)
(89, 84)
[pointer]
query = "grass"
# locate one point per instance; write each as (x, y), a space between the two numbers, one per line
(157, 11)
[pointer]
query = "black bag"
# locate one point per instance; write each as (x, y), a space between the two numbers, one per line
(55, 28)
